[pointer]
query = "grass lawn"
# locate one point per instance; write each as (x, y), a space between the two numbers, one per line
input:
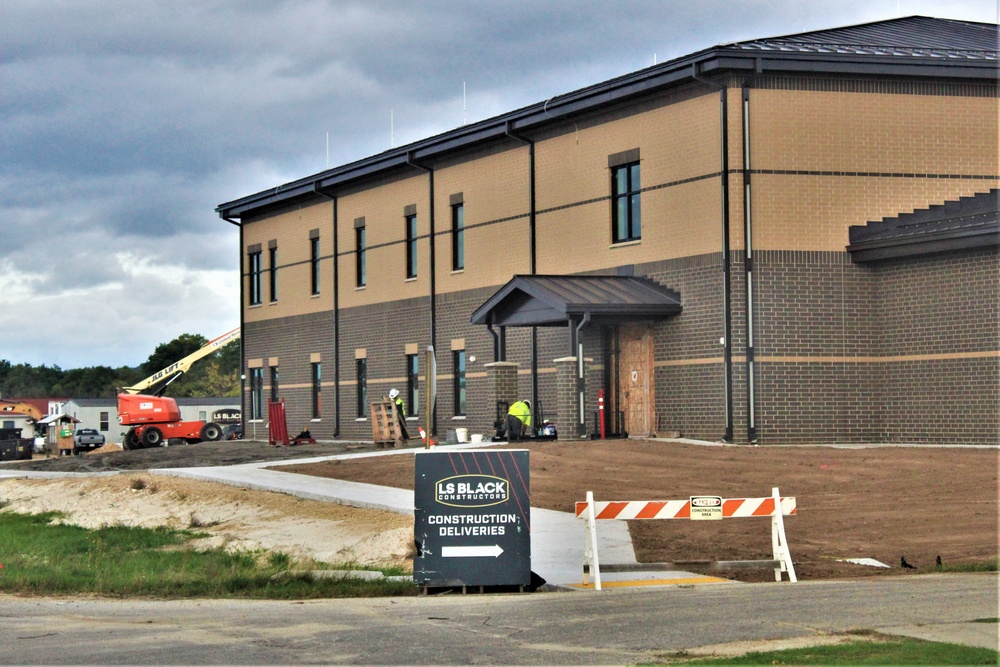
(39, 556)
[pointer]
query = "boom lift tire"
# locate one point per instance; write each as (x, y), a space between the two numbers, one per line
(152, 437)
(131, 441)
(211, 432)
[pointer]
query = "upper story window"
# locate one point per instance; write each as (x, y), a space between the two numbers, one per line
(626, 202)
(272, 254)
(411, 244)
(457, 232)
(314, 260)
(360, 272)
(255, 270)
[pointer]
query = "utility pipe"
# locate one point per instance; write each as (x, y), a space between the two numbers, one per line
(581, 426)
(243, 374)
(727, 350)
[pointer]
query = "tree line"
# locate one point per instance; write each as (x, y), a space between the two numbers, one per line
(215, 375)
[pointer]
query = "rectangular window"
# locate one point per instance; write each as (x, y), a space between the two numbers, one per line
(626, 210)
(255, 275)
(256, 393)
(314, 263)
(459, 382)
(359, 244)
(362, 374)
(317, 388)
(413, 384)
(272, 253)
(458, 237)
(274, 384)
(411, 246)
(105, 419)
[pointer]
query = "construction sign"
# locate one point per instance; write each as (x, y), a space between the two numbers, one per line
(472, 518)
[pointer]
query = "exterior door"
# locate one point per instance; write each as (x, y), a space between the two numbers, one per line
(635, 389)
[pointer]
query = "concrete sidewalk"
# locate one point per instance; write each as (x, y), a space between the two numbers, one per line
(557, 538)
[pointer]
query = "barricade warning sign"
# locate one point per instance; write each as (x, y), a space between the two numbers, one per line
(472, 518)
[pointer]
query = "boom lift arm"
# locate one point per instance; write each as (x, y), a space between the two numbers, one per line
(178, 368)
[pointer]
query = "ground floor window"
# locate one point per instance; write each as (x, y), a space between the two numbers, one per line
(413, 384)
(317, 373)
(362, 376)
(256, 393)
(459, 382)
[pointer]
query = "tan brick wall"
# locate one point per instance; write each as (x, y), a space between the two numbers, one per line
(382, 208)
(291, 231)
(494, 187)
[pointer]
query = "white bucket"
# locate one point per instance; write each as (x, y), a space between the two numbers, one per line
(462, 434)
(477, 437)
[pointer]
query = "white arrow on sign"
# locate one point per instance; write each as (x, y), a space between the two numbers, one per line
(471, 552)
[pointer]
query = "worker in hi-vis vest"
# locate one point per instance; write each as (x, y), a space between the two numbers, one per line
(397, 400)
(519, 420)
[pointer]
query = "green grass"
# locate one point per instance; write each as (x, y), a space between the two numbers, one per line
(988, 565)
(41, 557)
(901, 651)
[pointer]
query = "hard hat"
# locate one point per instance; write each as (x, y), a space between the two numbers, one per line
(393, 393)
(528, 403)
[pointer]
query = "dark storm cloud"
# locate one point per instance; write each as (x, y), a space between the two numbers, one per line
(124, 123)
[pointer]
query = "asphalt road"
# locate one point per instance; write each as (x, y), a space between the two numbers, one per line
(609, 627)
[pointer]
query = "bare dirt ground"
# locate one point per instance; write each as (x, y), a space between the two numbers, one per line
(882, 503)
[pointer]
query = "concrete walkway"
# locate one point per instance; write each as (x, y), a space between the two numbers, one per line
(557, 538)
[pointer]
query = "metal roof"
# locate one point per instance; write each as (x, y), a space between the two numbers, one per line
(545, 300)
(969, 222)
(915, 46)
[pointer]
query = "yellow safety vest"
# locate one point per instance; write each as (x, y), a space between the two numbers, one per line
(401, 405)
(522, 412)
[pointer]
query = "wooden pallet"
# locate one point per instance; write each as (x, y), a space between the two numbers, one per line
(385, 426)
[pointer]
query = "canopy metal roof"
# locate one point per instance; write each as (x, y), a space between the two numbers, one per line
(969, 222)
(543, 300)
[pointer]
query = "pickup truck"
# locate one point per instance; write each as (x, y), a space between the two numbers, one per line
(87, 439)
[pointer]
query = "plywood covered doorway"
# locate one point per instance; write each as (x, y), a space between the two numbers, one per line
(635, 388)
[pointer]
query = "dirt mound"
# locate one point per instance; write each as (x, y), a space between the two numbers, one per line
(235, 518)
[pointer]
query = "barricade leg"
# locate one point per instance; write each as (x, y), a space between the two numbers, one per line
(779, 543)
(590, 557)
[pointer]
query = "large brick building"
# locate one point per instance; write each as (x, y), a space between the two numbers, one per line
(783, 240)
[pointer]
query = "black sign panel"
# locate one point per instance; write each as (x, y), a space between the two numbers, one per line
(472, 522)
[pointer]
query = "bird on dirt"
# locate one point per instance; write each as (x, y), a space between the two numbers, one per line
(903, 564)
(939, 562)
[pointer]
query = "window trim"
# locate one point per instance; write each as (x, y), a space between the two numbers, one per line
(411, 245)
(361, 375)
(630, 197)
(255, 271)
(272, 278)
(314, 264)
(460, 383)
(458, 236)
(360, 248)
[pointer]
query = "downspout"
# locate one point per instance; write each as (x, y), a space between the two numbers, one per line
(243, 375)
(532, 250)
(748, 268)
(727, 350)
(336, 314)
(432, 419)
(581, 384)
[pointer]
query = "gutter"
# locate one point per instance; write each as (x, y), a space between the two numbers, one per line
(748, 269)
(726, 272)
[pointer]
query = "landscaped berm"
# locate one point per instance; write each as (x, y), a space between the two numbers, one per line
(884, 503)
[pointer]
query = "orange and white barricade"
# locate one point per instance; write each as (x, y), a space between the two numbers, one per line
(695, 507)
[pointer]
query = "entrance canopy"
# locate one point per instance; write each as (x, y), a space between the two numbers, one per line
(557, 300)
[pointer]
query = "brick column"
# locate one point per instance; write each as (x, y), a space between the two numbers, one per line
(501, 377)
(568, 399)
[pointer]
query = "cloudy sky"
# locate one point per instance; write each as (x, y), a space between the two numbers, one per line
(124, 123)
